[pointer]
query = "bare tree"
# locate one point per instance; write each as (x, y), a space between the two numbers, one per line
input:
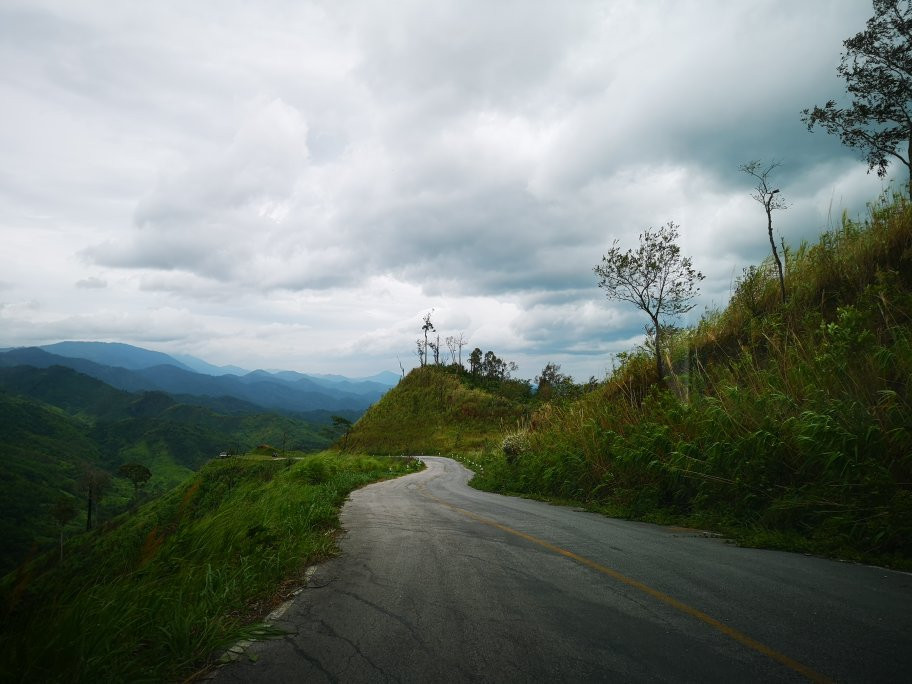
(461, 341)
(654, 277)
(426, 328)
(64, 510)
(451, 346)
(771, 201)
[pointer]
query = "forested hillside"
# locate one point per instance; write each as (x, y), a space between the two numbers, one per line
(783, 423)
(60, 429)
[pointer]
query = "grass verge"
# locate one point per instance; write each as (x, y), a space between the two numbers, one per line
(157, 593)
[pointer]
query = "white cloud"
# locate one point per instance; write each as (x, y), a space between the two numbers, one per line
(294, 184)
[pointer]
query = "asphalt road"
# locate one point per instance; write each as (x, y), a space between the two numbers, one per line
(438, 582)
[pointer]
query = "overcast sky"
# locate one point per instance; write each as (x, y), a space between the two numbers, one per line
(290, 184)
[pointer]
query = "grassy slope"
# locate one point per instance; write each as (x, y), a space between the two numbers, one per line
(435, 410)
(786, 425)
(157, 593)
(30, 474)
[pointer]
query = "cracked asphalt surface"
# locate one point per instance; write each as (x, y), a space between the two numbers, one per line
(439, 582)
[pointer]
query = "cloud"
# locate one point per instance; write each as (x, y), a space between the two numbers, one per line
(300, 181)
(91, 283)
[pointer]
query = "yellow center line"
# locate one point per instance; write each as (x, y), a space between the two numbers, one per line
(728, 631)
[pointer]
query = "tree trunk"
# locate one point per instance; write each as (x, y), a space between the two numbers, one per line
(909, 165)
(660, 371)
(89, 511)
(769, 229)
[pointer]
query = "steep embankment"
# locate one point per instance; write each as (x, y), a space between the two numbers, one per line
(156, 593)
(785, 424)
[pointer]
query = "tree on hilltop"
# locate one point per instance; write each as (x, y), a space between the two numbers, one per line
(654, 277)
(877, 69)
(475, 361)
(552, 383)
(427, 327)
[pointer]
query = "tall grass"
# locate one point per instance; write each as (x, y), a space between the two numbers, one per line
(787, 423)
(157, 593)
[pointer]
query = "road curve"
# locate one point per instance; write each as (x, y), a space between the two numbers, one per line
(439, 582)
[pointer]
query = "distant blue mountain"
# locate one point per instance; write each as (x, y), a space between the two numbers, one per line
(387, 378)
(114, 354)
(153, 371)
(120, 355)
(201, 366)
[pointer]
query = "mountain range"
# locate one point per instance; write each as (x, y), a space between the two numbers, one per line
(135, 369)
(73, 408)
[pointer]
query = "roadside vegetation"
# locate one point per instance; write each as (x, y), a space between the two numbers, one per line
(158, 593)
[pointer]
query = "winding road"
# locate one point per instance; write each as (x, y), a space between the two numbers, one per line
(438, 582)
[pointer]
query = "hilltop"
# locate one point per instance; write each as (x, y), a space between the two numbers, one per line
(440, 409)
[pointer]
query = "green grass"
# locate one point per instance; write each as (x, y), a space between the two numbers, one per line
(156, 594)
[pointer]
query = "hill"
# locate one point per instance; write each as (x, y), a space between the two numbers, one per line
(783, 424)
(56, 424)
(43, 452)
(437, 409)
(113, 354)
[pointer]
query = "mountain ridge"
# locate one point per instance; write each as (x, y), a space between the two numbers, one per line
(146, 370)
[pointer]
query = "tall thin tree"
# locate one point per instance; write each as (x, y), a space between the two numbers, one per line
(772, 201)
